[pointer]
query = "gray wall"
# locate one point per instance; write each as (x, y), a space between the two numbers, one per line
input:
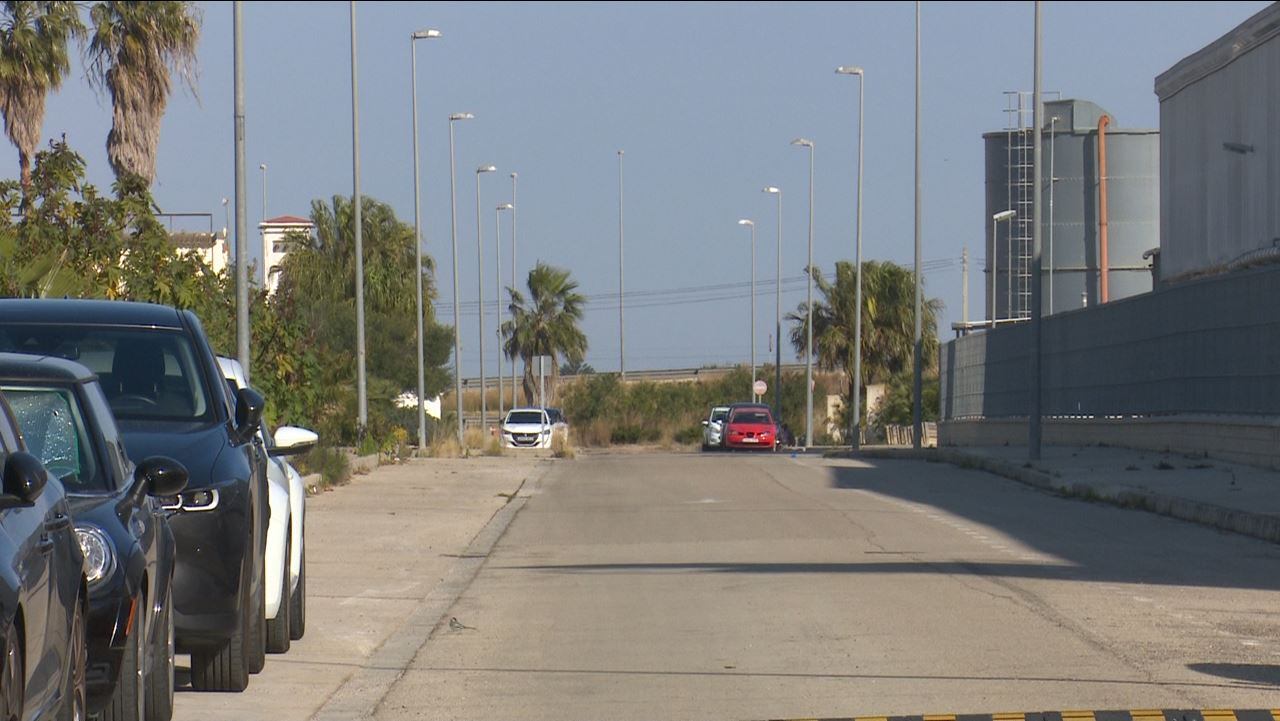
(1217, 205)
(1071, 248)
(1206, 346)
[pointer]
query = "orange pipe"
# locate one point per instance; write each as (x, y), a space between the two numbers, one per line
(1103, 122)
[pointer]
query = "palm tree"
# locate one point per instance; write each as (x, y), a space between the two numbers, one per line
(545, 325)
(888, 322)
(33, 62)
(134, 48)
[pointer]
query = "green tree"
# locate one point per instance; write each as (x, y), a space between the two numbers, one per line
(318, 279)
(134, 49)
(33, 61)
(888, 324)
(547, 324)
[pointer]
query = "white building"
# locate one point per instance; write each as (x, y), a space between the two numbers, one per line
(212, 248)
(275, 244)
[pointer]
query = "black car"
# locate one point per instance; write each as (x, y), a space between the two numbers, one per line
(42, 589)
(164, 387)
(123, 532)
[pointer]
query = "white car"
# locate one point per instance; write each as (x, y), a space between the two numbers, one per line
(285, 562)
(527, 428)
(713, 428)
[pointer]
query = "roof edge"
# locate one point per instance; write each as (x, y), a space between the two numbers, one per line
(1248, 35)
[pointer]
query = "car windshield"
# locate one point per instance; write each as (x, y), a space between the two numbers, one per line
(55, 431)
(751, 417)
(147, 374)
(525, 417)
(719, 414)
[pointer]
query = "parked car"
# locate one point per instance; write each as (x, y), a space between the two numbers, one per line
(713, 427)
(286, 552)
(559, 424)
(122, 529)
(42, 589)
(751, 426)
(527, 428)
(164, 386)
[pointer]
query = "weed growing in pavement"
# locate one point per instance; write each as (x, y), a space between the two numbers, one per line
(330, 463)
(494, 447)
(445, 447)
(561, 447)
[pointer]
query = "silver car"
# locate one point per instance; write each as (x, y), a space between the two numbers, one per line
(713, 428)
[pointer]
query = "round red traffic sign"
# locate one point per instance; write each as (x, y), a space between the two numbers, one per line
(760, 387)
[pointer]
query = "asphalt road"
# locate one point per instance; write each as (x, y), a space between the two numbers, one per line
(677, 586)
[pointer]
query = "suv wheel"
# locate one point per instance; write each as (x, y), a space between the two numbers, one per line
(227, 668)
(160, 679)
(130, 694)
(298, 598)
(278, 627)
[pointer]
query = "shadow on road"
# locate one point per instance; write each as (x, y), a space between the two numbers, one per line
(1258, 673)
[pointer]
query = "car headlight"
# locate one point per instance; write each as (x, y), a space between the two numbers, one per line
(204, 499)
(99, 553)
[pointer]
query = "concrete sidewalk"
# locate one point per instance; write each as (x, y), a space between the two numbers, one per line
(1229, 496)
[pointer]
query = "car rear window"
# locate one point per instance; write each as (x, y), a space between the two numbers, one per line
(751, 417)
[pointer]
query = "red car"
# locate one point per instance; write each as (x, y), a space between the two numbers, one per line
(751, 427)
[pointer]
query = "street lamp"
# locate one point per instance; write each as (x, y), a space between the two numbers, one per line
(497, 285)
(855, 427)
(808, 272)
(514, 176)
(752, 225)
(417, 232)
(777, 346)
(362, 390)
(453, 233)
(263, 168)
(991, 260)
(484, 406)
(622, 333)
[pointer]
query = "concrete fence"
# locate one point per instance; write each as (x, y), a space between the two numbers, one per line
(1193, 366)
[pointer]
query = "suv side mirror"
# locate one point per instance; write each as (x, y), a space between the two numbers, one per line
(161, 476)
(24, 479)
(291, 440)
(249, 405)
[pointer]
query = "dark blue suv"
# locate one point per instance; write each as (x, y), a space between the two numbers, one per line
(164, 387)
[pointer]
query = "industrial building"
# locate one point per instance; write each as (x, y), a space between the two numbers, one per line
(1101, 196)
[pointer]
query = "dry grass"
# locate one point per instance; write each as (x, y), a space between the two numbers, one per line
(494, 447)
(596, 434)
(474, 438)
(446, 447)
(562, 447)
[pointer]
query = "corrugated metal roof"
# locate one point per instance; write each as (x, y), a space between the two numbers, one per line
(1247, 36)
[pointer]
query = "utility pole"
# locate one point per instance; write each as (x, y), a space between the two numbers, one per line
(917, 424)
(362, 396)
(1037, 366)
(242, 248)
(622, 333)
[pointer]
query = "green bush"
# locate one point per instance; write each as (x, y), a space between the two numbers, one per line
(330, 463)
(634, 434)
(692, 434)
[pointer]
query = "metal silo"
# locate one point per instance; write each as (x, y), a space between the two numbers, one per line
(1073, 217)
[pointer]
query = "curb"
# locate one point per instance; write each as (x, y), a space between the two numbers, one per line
(1256, 525)
(1085, 715)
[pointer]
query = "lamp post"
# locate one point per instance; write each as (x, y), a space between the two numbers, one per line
(622, 333)
(991, 257)
(752, 225)
(453, 233)
(262, 226)
(362, 391)
(263, 168)
(918, 381)
(777, 346)
(514, 401)
(855, 429)
(808, 272)
(484, 406)
(242, 251)
(1037, 282)
(497, 285)
(417, 231)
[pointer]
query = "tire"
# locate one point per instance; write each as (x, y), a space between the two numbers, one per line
(227, 668)
(128, 699)
(278, 627)
(298, 598)
(256, 660)
(12, 674)
(74, 697)
(160, 681)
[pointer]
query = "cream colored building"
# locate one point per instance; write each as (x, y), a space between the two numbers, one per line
(275, 244)
(212, 248)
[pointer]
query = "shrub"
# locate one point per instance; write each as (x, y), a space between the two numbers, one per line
(690, 435)
(330, 463)
(562, 447)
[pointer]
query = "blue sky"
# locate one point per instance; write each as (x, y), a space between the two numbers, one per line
(704, 98)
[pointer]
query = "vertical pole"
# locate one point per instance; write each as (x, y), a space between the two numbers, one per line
(417, 250)
(622, 335)
(514, 401)
(1037, 367)
(777, 339)
(855, 433)
(808, 348)
(917, 386)
(753, 313)
(362, 397)
(484, 406)
(497, 289)
(457, 334)
(242, 249)
(1053, 127)
(964, 285)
